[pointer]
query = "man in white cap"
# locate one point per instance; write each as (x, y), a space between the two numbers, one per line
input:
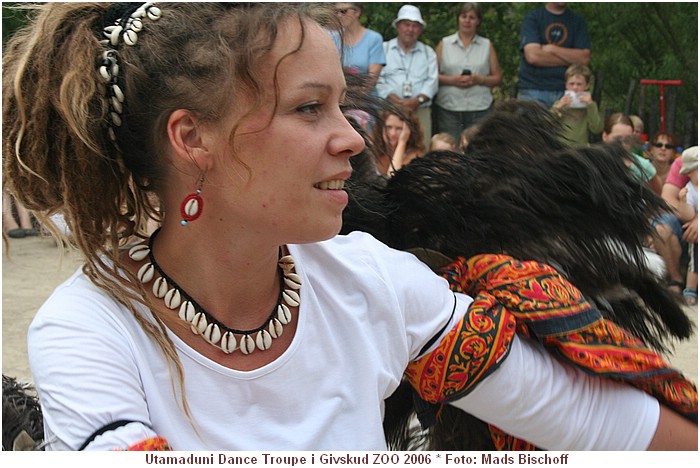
(410, 76)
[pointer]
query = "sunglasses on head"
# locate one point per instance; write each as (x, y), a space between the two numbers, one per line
(662, 145)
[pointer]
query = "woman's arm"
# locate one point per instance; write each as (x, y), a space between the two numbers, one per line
(375, 69)
(81, 352)
(398, 158)
(537, 398)
(685, 211)
(674, 432)
(569, 55)
(495, 77)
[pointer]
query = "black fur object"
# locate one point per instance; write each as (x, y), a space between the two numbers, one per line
(22, 423)
(579, 210)
(519, 191)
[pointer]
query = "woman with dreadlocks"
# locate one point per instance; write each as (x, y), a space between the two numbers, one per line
(245, 322)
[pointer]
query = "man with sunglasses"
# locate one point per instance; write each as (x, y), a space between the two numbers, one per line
(662, 149)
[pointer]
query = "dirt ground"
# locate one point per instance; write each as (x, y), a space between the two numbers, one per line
(30, 273)
(34, 268)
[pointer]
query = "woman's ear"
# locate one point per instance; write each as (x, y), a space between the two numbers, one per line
(187, 140)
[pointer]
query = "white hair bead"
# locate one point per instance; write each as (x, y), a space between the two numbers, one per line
(105, 74)
(114, 35)
(153, 13)
(117, 105)
(130, 37)
(116, 119)
(118, 93)
(136, 24)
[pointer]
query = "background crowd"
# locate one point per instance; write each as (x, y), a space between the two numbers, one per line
(445, 91)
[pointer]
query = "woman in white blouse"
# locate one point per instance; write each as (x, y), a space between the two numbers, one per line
(468, 69)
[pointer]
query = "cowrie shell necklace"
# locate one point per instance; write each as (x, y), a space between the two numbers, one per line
(202, 323)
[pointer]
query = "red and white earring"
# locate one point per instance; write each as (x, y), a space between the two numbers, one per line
(192, 205)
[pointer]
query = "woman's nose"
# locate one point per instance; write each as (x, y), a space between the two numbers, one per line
(348, 141)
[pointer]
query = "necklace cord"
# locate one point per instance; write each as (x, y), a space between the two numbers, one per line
(199, 308)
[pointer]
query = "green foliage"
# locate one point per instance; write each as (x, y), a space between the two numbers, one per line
(633, 41)
(12, 19)
(629, 42)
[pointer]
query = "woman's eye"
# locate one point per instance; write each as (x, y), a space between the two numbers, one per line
(309, 108)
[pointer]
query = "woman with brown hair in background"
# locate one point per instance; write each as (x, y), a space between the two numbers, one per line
(399, 137)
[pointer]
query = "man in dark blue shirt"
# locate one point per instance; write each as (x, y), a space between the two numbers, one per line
(551, 38)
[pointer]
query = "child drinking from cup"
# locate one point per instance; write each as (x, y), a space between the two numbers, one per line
(576, 109)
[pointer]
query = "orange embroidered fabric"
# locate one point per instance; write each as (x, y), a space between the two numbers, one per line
(153, 444)
(504, 441)
(467, 354)
(536, 301)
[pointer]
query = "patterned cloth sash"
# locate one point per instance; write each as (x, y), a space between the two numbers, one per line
(534, 300)
(152, 444)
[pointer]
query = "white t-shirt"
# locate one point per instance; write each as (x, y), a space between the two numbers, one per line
(692, 197)
(366, 311)
(559, 407)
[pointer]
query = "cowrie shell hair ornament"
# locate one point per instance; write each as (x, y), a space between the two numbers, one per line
(204, 324)
(126, 30)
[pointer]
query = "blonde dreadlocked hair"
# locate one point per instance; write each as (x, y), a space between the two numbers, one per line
(57, 155)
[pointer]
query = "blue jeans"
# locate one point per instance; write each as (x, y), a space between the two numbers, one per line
(548, 98)
(672, 221)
